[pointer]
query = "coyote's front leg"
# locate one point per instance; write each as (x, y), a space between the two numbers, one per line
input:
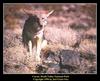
(40, 44)
(38, 49)
(30, 47)
(44, 44)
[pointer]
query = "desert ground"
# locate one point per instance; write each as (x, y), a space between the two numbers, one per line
(70, 33)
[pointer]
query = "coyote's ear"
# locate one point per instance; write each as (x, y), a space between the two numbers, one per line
(50, 13)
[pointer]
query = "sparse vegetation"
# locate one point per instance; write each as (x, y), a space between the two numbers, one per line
(72, 27)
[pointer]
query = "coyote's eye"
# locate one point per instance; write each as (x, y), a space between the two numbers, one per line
(42, 18)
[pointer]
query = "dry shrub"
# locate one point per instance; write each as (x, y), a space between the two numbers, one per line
(91, 31)
(88, 47)
(63, 36)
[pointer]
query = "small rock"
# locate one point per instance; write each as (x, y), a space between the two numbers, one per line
(69, 57)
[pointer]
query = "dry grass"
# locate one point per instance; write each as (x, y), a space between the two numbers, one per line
(65, 30)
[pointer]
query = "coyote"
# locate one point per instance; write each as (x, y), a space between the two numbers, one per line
(32, 34)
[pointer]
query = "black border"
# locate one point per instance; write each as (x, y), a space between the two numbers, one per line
(28, 77)
(1, 41)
